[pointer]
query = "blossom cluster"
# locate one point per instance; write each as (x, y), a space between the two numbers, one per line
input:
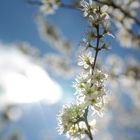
(123, 13)
(89, 84)
(96, 14)
(74, 120)
(90, 92)
(69, 121)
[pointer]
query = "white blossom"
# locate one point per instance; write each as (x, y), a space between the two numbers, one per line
(90, 89)
(95, 13)
(81, 81)
(94, 97)
(85, 59)
(88, 7)
(49, 6)
(70, 123)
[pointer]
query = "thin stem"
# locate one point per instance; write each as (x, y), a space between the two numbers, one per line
(34, 2)
(73, 7)
(87, 125)
(97, 48)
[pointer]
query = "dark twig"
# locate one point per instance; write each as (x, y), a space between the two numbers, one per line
(34, 2)
(97, 49)
(87, 124)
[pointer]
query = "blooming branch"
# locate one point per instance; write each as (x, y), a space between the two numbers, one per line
(89, 84)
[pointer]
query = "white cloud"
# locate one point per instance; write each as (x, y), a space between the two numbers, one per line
(23, 81)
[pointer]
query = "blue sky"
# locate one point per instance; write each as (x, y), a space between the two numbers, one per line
(17, 23)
